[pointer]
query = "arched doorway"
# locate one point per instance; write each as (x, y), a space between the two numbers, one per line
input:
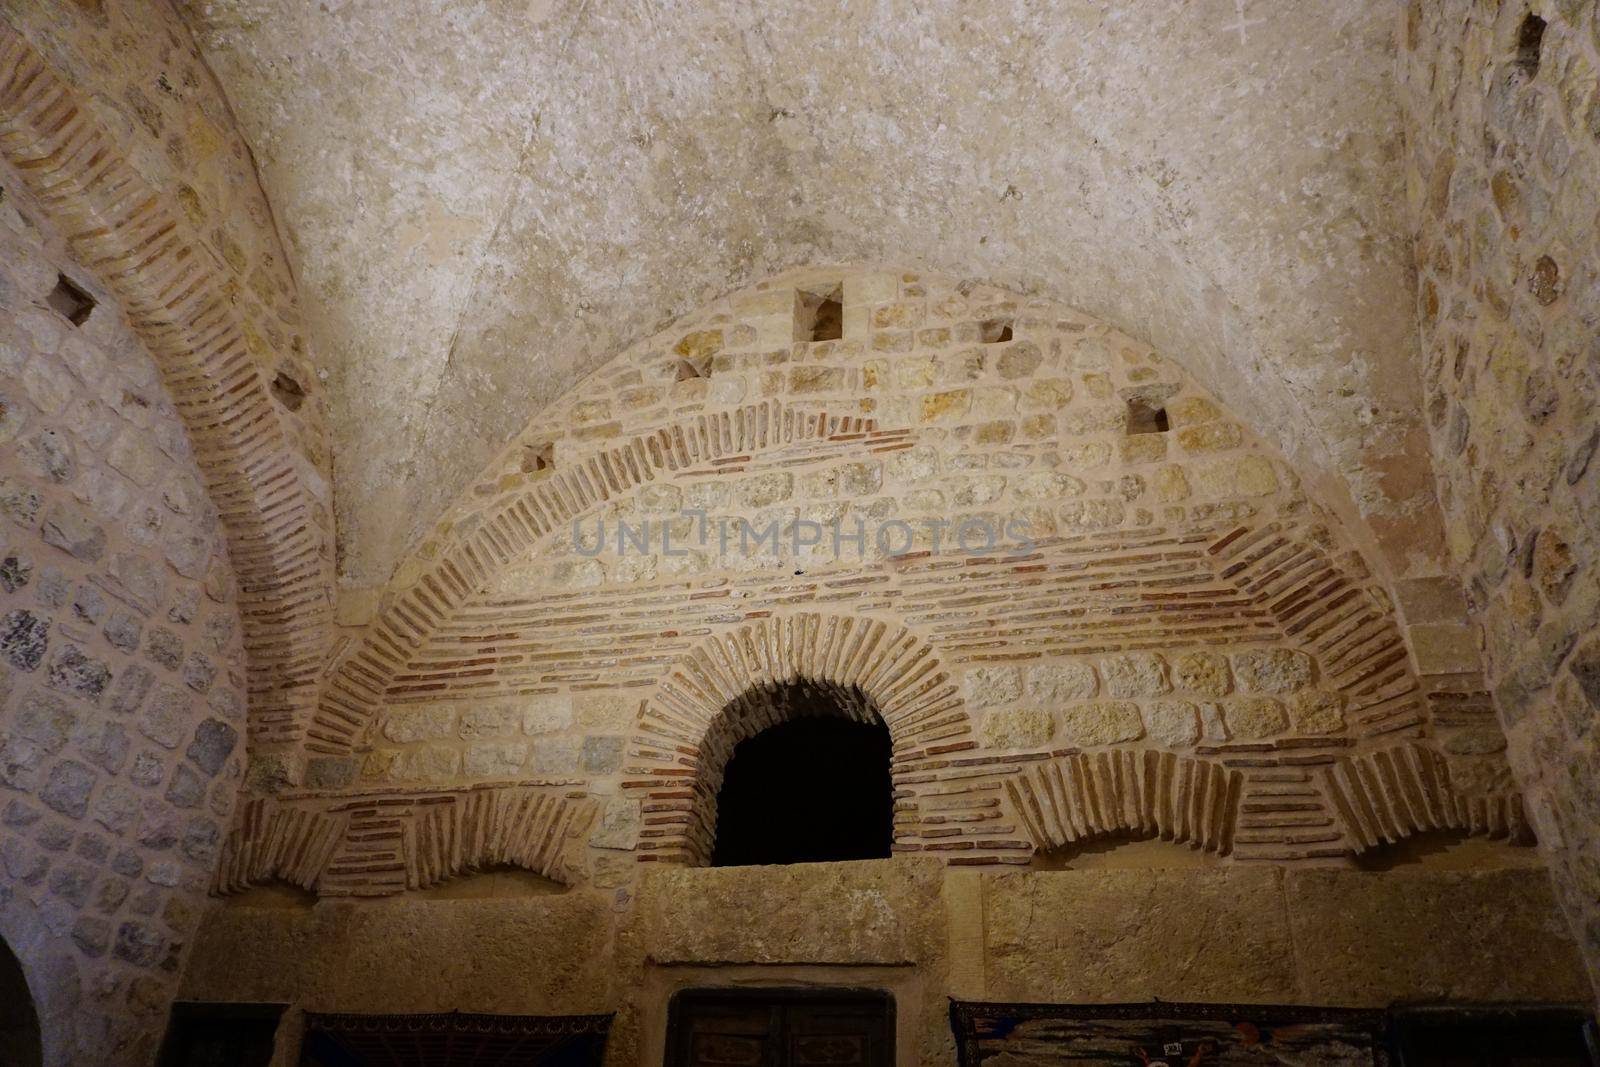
(19, 1023)
(814, 788)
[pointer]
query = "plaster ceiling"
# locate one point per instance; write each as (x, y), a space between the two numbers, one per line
(486, 198)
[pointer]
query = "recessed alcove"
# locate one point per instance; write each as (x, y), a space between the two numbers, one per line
(994, 331)
(70, 301)
(1530, 44)
(819, 313)
(811, 788)
(19, 1023)
(1145, 416)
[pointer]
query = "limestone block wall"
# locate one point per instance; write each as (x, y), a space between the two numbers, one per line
(1151, 630)
(109, 116)
(917, 928)
(122, 678)
(1503, 117)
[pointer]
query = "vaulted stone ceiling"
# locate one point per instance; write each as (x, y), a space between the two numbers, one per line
(486, 198)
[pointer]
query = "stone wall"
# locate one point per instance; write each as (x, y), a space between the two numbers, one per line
(1503, 113)
(110, 117)
(122, 691)
(920, 930)
(1134, 620)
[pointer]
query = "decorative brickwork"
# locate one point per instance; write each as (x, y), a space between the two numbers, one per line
(376, 845)
(182, 303)
(495, 540)
(716, 697)
(1183, 645)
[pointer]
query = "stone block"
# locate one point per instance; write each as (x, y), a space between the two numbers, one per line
(601, 755)
(494, 759)
(1371, 938)
(24, 637)
(1316, 711)
(1238, 476)
(989, 686)
(1173, 723)
(1135, 674)
(1205, 673)
(867, 912)
(1101, 723)
(70, 529)
(1022, 727)
(404, 725)
(1441, 648)
(1254, 718)
(1103, 929)
(546, 713)
(1056, 683)
(1271, 670)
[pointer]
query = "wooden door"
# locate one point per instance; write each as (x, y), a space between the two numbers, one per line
(781, 1028)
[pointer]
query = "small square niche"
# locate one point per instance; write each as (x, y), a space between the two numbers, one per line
(819, 314)
(994, 331)
(70, 301)
(1146, 416)
(538, 457)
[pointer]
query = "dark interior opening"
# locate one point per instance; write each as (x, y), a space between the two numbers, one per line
(819, 314)
(1494, 1037)
(70, 301)
(538, 457)
(688, 370)
(1146, 417)
(780, 1027)
(811, 790)
(220, 1035)
(1530, 43)
(19, 1022)
(290, 393)
(993, 331)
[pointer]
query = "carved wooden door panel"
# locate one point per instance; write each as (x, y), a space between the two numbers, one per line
(781, 1028)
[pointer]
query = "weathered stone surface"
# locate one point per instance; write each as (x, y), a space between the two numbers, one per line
(1271, 670)
(1105, 928)
(70, 529)
(412, 954)
(1252, 718)
(1316, 711)
(24, 637)
(989, 686)
(213, 743)
(1139, 674)
(1102, 723)
(1056, 683)
(878, 911)
(1174, 723)
(1021, 727)
(1204, 673)
(1431, 935)
(405, 725)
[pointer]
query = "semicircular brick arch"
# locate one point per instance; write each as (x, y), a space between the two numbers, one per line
(185, 305)
(716, 696)
(354, 695)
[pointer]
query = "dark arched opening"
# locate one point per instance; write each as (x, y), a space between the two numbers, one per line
(812, 789)
(19, 1023)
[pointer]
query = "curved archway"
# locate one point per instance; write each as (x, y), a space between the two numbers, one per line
(725, 692)
(814, 787)
(20, 1041)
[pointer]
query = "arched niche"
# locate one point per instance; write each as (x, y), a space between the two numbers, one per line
(811, 783)
(734, 686)
(20, 1043)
